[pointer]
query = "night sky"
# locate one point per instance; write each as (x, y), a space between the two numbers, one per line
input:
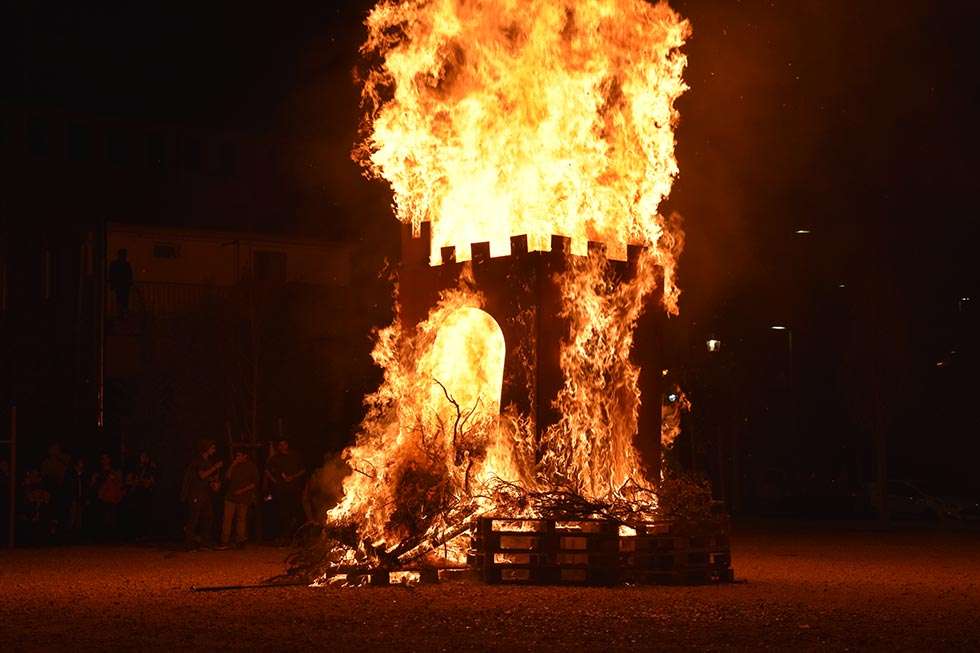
(854, 120)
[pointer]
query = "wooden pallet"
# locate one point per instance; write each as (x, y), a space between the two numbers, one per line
(592, 552)
(546, 551)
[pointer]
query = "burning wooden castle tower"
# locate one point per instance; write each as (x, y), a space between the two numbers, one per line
(529, 147)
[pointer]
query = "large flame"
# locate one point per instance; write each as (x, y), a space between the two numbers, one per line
(491, 119)
(591, 447)
(496, 118)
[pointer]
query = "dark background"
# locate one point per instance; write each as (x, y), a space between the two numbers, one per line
(853, 120)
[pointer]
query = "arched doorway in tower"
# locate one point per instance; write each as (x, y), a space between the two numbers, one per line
(467, 359)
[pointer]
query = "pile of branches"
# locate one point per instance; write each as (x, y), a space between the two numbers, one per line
(682, 500)
(631, 504)
(321, 551)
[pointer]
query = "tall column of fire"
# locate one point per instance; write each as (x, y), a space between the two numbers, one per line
(491, 120)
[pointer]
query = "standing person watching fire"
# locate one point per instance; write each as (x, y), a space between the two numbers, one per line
(284, 471)
(243, 477)
(200, 480)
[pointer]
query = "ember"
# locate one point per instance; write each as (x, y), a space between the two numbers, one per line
(510, 388)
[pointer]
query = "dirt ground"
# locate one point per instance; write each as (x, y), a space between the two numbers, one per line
(804, 588)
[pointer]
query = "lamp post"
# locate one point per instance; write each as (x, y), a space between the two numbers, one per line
(790, 379)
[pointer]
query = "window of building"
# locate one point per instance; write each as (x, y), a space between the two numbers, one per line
(269, 266)
(165, 250)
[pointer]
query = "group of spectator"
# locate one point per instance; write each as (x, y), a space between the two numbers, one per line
(283, 484)
(67, 499)
(283, 487)
(64, 499)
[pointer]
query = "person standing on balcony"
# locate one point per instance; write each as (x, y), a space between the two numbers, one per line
(121, 281)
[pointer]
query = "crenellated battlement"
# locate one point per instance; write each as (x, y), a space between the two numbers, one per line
(416, 250)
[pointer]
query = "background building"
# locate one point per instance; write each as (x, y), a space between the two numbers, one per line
(235, 332)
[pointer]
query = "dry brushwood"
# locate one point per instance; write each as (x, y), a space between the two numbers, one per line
(632, 504)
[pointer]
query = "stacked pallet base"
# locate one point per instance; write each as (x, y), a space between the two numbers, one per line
(595, 552)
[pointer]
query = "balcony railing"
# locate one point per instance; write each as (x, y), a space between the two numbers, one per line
(164, 299)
